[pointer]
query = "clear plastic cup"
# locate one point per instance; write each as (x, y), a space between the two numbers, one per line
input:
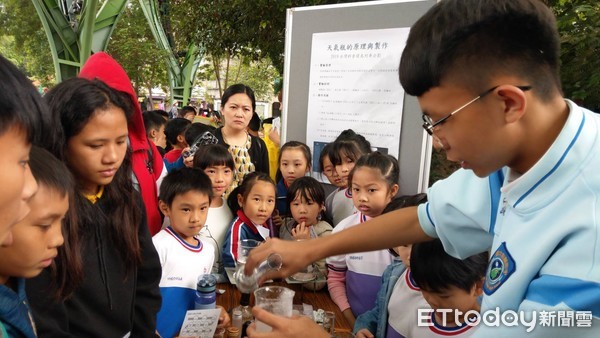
(244, 248)
(275, 299)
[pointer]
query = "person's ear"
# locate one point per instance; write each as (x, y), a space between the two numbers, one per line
(394, 190)
(478, 287)
(240, 199)
(164, 208)
(181, 139)
(514, 102)
(153, 133)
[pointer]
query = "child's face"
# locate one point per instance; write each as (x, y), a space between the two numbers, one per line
(187, 213)
(304, 210)
(370, 191)
(343, 169)
(221, 177)
(454, 298)
(97, 152)
(16, 181)
(260, 202)
(293, 164)
(404, 253)
(158, 137)
(331, 173)
(189, 116)
(37, 237)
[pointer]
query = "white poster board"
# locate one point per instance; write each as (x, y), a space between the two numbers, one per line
(317, 120)
(354, 85)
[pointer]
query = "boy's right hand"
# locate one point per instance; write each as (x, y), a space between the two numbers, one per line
(364, 333)
(296, 256)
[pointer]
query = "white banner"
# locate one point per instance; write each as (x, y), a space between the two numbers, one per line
(354, 85)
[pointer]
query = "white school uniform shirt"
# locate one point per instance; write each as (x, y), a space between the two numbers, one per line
(215, 230)
(342, 206)
(182, 265)
(363, 270)
(543, 230)
(403, 305)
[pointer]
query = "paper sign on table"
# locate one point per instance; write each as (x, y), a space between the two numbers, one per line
(200, 323)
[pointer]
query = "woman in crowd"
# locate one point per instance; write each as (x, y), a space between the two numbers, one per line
(249, 152)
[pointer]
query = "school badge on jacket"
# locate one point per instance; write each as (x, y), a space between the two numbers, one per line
(501, 267)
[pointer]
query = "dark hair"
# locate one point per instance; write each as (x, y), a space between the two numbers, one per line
(387, 165)
(75, 101)
(308, 188)
(349, 144)
(405, 201)
(213, 155)
(21, 105)
(187, 109)
(434, 270)
(400, 202)
(245, 188)
(195, 130)
(179, 182)
(324, 153)
(475, 40)
(162, 113)
(254, 124)
(153, 120)
(238, 89)
(174, 128)
(67, 270)
(293, 145)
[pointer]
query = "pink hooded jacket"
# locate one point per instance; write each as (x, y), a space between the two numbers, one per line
(146, 160)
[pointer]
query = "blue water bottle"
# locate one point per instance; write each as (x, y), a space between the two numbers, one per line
(206, 297)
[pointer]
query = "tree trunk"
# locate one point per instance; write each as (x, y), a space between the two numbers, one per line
(150, 96)
(226, 84)
(216, 64)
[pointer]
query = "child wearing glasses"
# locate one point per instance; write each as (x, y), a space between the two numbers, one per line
(528, 189)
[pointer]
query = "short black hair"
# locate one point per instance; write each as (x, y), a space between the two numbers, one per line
(174, 128)
(153, 120)
(21, 105)
(405, 201)
(162, 113)
(195, 130)
(472, 41)
(181, 181)
(308, 188)
(213, 155)
(254, 124)
(434, 270)
(350, 144)
(186, 109)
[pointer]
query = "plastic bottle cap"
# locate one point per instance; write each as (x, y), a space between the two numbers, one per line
(207, 283)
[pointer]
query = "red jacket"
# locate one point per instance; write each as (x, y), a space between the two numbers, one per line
(146, 160)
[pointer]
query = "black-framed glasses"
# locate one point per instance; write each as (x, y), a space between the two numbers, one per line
(429, 125)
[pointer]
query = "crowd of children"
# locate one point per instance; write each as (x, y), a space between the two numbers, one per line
(85, 251)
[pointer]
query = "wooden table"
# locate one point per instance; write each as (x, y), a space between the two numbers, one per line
(318, 299)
